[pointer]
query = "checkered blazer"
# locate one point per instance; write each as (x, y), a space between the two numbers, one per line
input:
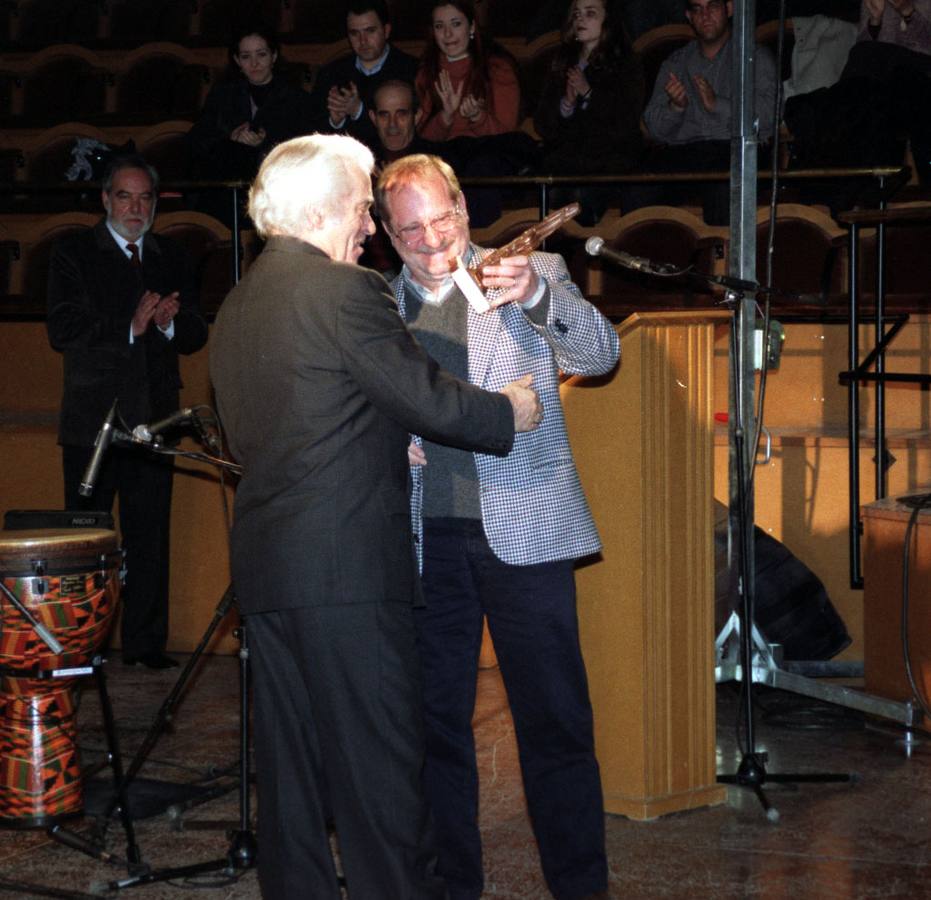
(533, 508)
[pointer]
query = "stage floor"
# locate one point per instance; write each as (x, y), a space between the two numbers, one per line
(867, 839)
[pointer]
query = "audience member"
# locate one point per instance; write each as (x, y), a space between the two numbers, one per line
(122, 304)
(883, 96)
(470, 97)
(464, 89)
(342, 95)
(394, 115)
(499, 537)
(892, 62)
(689, 112)
(589, 112)
(904, 23)
(249, 113)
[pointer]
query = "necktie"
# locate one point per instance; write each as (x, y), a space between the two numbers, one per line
(134, 254)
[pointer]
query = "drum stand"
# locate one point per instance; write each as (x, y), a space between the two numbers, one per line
(55, 830)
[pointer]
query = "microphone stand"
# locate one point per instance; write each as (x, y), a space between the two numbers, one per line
(751, 772)
(243, 847)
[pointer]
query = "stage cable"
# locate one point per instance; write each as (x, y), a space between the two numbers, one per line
(770, 242)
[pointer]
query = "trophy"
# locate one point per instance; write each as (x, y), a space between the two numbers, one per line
(469, 280)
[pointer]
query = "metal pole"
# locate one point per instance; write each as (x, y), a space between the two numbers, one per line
(742, 258)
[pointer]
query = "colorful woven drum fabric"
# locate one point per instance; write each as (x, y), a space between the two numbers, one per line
(69, 582)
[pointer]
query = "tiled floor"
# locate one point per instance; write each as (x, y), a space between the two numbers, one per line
(869, 839)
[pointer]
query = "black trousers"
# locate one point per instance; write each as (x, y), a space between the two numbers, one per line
(339, 735)
(142, 481)
(532, 618)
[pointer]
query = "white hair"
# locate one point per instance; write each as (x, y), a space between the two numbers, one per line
(304, 180)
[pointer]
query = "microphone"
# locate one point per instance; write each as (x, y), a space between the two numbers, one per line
(595, 246)
(104, 437)
(147, 432)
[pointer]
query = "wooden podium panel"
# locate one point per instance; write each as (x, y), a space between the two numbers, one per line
(643, 442)
(884, 526)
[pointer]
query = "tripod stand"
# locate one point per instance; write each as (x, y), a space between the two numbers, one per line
(751, 772)
(242, 848)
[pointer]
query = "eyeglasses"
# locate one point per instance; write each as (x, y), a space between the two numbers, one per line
(712, 6)
(411, 235)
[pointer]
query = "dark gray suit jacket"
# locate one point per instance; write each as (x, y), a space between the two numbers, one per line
(319, 386)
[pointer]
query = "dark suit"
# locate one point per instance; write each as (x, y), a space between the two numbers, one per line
(93, 292)
(339, 73)
(319, 385)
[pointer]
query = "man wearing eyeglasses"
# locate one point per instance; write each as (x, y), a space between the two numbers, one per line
(499, 537)
(689, 112)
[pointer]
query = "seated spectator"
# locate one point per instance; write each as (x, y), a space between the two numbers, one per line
(463, 89)
(689, 112)
(247, 114)
(394, 116)
(893, 50)
(883, 97)
(244, 117)
(469, 95)
(343, 90)
(589, 112)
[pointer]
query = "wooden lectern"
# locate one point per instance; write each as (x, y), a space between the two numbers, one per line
(643, 442)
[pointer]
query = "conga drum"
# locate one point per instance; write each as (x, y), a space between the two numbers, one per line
(69, 582)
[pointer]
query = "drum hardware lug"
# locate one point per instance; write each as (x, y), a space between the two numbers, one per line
(38, 568)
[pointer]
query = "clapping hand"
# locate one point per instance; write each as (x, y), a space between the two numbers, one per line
(874, 9)
(902, 7)
(450, 97)
(472, 108)
(705, 92)
(343, 103)
(675, 90)
(166, 310)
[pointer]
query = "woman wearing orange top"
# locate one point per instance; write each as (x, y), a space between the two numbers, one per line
(464, 90)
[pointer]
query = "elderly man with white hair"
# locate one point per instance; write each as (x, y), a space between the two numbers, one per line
(319, 385)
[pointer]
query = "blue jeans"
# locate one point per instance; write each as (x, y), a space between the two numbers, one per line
(532, 618)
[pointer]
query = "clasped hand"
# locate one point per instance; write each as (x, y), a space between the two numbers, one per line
(243, 134)
(576, 85)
